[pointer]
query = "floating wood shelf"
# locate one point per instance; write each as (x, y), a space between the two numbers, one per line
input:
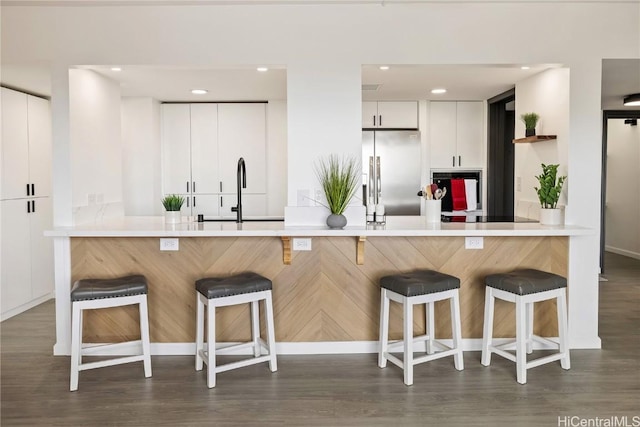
(535, 138)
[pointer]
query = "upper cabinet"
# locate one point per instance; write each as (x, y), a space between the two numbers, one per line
(390, 115)
(201, 145)
(26, 145)
(456, 132)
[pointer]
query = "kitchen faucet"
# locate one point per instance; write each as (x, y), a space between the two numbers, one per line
(241, 175)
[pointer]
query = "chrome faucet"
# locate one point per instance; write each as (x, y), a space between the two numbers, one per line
(241, 175)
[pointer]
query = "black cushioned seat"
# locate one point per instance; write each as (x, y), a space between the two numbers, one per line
(243, 283)
(88, 289)
(526, 281)
(420, 282)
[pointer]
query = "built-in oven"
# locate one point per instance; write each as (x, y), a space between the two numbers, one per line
(472, 178)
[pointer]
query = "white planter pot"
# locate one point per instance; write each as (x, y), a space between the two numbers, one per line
(551, 216)
(172, 217)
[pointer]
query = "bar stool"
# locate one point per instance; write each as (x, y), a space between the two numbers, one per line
(524, 288)
(216, 292)
(89, 294)
(419, 287)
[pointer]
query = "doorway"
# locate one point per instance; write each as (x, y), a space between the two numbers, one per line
(500, 155)
(621, 179)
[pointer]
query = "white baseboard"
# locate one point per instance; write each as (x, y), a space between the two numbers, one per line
(289, 348)
(624, 252)
(24, 307)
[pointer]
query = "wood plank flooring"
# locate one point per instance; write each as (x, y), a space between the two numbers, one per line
(336, 390)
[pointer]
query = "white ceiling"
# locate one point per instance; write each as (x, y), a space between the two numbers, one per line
(620, 77)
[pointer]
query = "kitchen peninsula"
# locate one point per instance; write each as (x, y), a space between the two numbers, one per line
(326, 300)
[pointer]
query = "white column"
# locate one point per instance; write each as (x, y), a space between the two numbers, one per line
(583, 206)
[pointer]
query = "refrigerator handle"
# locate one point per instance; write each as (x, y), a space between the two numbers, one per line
(378, 180)
(371, 186)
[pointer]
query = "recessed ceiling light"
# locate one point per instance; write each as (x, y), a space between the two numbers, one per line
(116, 69)
(199, 91)
(632, 100)
(524, 67)
(384, 67)
(262, 69)
(438, 91)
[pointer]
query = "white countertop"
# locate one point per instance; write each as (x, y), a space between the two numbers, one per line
(395, 226)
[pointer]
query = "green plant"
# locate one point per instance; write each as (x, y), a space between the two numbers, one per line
(530, 120)
(550, 186)
(173, 202)
(339, 180)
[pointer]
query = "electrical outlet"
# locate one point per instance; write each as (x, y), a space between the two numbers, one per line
(319, 197)
(91, 199)
(303, 197)
(473, 242)
(519, 183)
(302, 244)
(169, 244)
(100, 198)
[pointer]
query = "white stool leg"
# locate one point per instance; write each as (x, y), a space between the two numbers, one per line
(144, 335)
(487, 334)
(384, 329)
(255, 327)
(408, 341)
(211, 345)
(521, 341)
(199, 331)
(456, 330)
(530, 307)
(76, 344)
(430, 325)
(271, 334)
(563, 333)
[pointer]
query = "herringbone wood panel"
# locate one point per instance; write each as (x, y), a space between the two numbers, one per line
(322, 296)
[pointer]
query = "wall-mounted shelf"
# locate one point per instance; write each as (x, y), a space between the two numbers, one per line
(535, 138)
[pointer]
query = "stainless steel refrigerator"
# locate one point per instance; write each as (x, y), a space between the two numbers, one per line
(391, 170)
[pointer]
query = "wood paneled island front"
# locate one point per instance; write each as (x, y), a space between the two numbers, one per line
(325, 300)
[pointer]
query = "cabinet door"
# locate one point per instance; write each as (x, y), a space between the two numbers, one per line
(470, 129)
(242, 133)
(40, 160)
(398, 115)
(252, 205)
(16, 255)
(206, 204)
(42, 276)
(176, 148)
(204, 148)
(442, 134)
(15, 146)
(369, 114)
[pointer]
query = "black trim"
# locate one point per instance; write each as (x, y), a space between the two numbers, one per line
(17, 89)
(214, 102)
(500, 156)
(511, 93)
(386, 129)
(606, 115)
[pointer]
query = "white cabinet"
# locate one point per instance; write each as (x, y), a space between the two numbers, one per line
(201, 145)
(26, 212)
(390, 115)
(456, 132)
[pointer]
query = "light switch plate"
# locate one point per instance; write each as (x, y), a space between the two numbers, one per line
(169, 244)
(473, 242)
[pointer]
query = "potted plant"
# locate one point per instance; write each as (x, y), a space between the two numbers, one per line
(530, 121)
(339, 180)
(549, 193)
(172, 204)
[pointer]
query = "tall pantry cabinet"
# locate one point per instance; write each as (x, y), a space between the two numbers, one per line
(25, 202)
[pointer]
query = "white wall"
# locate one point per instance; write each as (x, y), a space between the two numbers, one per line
(622, 228)
(547, 94)
(276, 157)
(96, 149)
(141, 156)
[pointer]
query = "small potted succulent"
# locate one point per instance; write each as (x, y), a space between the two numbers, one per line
(530, 121)
(339, 180)
(172, 204)
(549, 193)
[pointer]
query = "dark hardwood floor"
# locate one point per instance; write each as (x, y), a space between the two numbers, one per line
(330, 390)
